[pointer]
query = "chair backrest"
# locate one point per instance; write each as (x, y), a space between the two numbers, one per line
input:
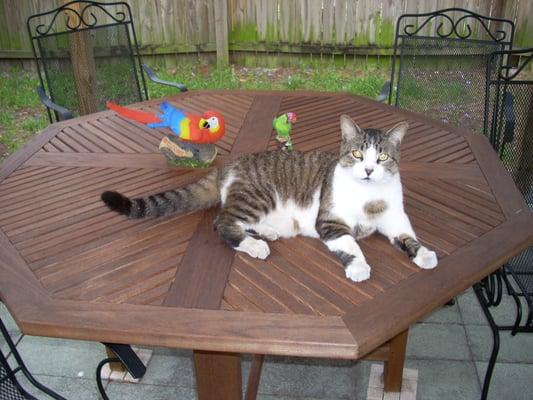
(439, 63)
(509, 114)
(86, 54)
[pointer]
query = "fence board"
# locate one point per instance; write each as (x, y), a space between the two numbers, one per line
(312, 21)
(524, 24)
(328, 21)
(294, 26)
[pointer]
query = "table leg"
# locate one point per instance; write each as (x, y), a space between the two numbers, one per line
(393, 368)
(218, 375)
(254, 377)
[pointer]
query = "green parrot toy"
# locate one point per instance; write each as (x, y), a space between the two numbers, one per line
(283, 125)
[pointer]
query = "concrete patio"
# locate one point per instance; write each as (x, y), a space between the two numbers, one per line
(446, 359)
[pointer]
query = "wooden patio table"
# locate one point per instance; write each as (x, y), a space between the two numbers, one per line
(71, 268)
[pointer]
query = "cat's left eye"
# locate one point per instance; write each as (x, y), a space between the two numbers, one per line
(357, 154)
(383, 157)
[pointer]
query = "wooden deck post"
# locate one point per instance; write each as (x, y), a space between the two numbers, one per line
(221, 31)
(83, 68)
(218, 375)
(393, 367)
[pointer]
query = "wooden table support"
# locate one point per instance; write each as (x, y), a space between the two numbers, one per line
(393, 367)
(218, 375)
(254, 377)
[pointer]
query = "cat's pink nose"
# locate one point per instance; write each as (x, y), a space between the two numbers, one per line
(369, 171)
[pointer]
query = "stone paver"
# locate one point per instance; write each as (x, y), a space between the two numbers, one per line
(448, 350)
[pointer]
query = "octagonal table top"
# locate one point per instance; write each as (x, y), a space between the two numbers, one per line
(71, 268)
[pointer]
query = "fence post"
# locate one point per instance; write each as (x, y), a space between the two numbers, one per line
(221, 31)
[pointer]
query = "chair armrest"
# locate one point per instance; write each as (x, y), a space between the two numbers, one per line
(47, 101)
(151, 74)
(384, 92)
(508, 112)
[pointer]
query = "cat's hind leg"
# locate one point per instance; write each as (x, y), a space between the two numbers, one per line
(231, 230)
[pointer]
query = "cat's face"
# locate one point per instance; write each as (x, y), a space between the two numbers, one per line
(371, 155)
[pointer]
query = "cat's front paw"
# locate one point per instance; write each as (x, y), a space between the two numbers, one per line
(254, 248)
(425, 258)
(358, 270)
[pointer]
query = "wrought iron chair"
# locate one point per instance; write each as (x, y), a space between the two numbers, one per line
(438, 66)
(509, 126)
(86, 54)
(10, 387)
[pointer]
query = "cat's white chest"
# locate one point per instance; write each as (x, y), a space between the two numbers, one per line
(289, 219)
(364, 204)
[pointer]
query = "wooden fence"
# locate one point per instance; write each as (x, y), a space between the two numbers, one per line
(270, 28)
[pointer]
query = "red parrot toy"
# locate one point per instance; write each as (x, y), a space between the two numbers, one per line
(206, 128)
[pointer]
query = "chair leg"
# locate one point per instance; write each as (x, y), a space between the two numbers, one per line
(495, 344)
(393, 368)
(128, 358)
(114, 366)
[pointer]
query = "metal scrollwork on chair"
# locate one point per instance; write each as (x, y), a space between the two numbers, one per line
(452, 26)
(81, 18)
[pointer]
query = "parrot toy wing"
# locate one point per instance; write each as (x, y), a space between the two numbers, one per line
(206, 128)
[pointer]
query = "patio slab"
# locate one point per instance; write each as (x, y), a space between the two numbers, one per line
(308, 377)
(445, 315)
(8, 320)
(11, 327)
(448, 354)
(126, 391)
(514, 349)
(61, 358)
(445, 379)
(509, 380)
(70, 388)
(439, 341)
(170, 368)
(472, 313)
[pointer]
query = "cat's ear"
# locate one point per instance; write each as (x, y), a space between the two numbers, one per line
(349, 128)
(397, 132)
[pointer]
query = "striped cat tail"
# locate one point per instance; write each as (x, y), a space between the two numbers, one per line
(195, 196)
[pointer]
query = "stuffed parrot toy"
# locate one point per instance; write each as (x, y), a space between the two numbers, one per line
(283, 126)
(206, 128)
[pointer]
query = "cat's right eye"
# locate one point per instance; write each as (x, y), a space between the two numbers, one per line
(357, 154)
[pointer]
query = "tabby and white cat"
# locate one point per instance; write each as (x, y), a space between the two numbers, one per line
(271, 195)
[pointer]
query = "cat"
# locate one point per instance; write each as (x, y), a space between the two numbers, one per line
(278, 194)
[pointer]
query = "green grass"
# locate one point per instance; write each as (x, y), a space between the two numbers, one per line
(307, 76)
(21, 114)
